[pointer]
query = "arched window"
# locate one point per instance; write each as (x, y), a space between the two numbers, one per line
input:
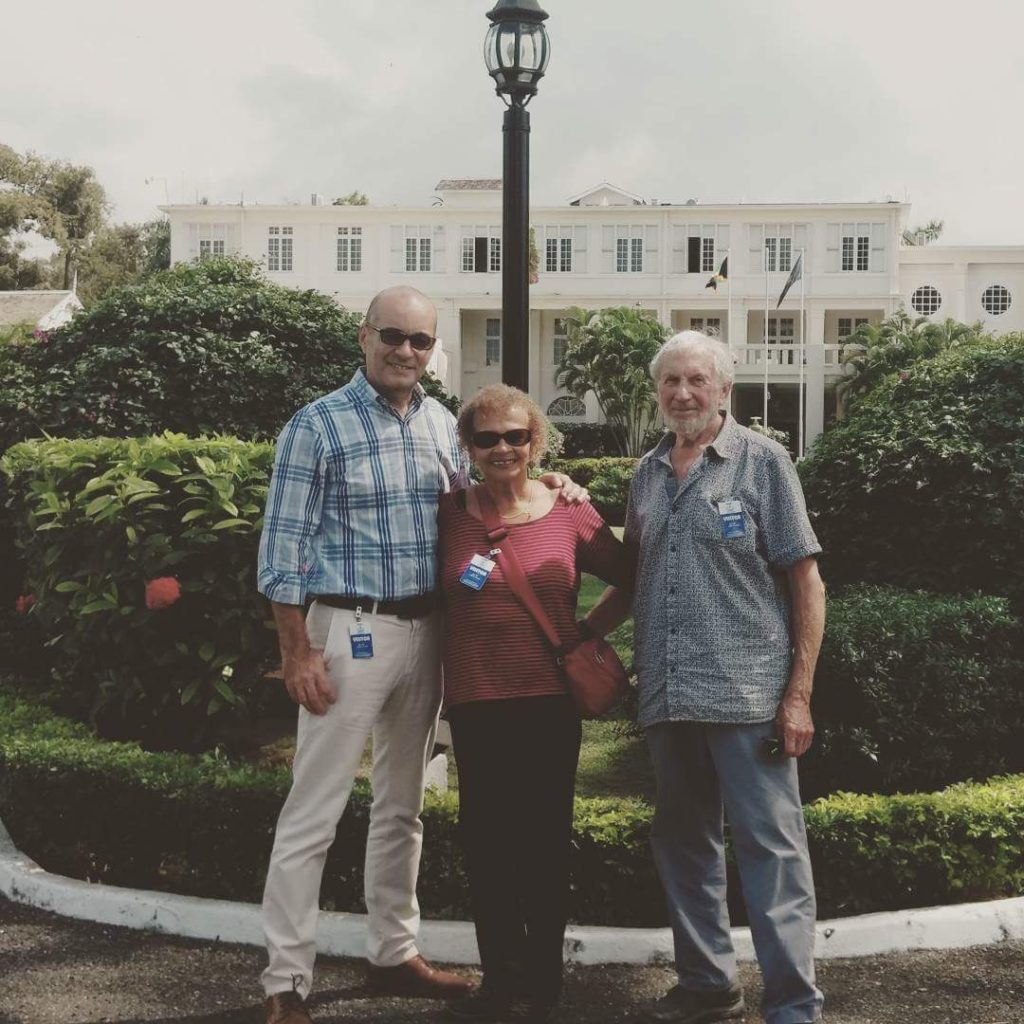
(926, 300)
(566, 406)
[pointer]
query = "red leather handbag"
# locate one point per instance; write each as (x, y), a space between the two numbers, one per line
(595, 676)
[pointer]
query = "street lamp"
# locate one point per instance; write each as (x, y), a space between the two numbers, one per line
(516, 52)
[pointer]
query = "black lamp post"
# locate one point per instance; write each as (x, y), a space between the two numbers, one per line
(516, 51)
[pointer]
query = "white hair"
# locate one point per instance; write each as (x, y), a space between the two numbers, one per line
(696, 341)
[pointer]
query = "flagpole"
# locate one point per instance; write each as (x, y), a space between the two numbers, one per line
(765, 352)
(728, 301)
(802, 397)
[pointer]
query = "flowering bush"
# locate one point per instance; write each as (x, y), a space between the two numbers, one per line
(141, 556)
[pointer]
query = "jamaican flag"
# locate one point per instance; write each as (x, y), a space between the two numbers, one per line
(722, 275)
(794, 275)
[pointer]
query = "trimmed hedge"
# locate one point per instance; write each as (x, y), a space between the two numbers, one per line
(914, 691)
(97, 521)
(201, 825)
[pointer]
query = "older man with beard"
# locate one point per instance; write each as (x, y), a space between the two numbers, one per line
(729, 613)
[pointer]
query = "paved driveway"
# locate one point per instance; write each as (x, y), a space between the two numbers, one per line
(57, 971)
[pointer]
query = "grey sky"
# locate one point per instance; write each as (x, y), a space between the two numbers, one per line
(671, 99)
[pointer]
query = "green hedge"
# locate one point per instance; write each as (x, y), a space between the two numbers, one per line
(914, 691)
(201, 825)
(96, 522)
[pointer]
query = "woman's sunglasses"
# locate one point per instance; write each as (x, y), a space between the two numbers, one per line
(489, 438)
(394, 337)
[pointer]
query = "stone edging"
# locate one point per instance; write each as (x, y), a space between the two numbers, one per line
(340, 934)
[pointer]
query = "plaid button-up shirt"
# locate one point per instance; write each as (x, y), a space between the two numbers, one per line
(712, 610)
(352, 505)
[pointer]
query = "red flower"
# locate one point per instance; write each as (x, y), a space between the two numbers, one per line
(24, 602)
(162, 592)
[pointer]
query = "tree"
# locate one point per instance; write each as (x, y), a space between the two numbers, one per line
(121, 254)
(609, 353)
(53, 198)
(874, 351)
(924, 234)
(352, 199)
(923, 485)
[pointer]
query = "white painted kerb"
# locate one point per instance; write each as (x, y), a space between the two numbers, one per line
(23, 881)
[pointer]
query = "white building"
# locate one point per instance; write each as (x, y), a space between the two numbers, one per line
(607, 247)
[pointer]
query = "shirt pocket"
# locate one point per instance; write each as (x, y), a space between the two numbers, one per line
(709, 526)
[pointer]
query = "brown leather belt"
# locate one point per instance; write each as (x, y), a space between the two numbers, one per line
(407, 608)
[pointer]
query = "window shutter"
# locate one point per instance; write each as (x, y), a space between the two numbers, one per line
(193, 241)
(678, 249)
(877, 247)
(832, 246)
(397, 248)
(651, 248)
(721, 244)
(579, 248)
(437, 261)
(693, 245)
(799, 238)
(607, 249)
(756, 248)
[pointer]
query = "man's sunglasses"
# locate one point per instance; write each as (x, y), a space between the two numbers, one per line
(394, 337)
(490, 438)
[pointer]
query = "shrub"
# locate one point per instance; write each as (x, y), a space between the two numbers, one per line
(915, 691)
(205, 347)
(596, 440)
(608, 481)
(203, 826)
(923, 486)
(99, 524)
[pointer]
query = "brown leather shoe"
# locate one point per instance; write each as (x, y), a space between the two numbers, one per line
(418, 979)
(286, 1008)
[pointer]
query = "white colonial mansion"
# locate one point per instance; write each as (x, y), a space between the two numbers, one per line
(607, 247)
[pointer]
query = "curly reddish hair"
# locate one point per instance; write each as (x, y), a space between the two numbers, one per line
(499, 399)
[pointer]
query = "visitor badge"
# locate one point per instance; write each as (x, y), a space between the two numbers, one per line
(475, 574)
(360, 637)
(733, 523)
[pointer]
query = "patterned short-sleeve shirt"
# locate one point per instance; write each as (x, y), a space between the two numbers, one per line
(712, 607)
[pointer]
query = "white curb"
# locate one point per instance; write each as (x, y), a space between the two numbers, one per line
(23, 881)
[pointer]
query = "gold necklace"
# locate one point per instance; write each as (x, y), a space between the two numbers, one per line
(519, 513)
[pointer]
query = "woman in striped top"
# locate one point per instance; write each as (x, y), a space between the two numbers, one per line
(515, 731)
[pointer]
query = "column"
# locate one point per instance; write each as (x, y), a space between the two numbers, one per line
(536, 367)
(814, 375)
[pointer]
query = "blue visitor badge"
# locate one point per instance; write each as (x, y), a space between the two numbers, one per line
(475, 574)
(360, 637)
(731, 514)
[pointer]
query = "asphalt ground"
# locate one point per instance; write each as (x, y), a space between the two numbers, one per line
(56, 970)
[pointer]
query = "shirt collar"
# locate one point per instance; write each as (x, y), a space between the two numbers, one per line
(369, 395)
(725, 446)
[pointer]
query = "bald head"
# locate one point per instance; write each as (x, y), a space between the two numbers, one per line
(401, 297)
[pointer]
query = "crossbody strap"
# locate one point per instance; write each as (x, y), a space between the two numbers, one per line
(498, 533)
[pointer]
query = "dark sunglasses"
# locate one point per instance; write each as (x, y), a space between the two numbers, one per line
(490, 438)
(394, 337)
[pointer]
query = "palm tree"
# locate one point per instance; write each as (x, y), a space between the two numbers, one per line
(609, 353)
(925, 234)
(874, 351)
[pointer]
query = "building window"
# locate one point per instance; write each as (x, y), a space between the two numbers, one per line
(996, 299)
(629, 251)
(279, 248)
(558, 254)
(560, 341)
(711, 325)
(350, 249)
(778, 252)
(212, 240)
(700, 253)
(926, 300)
(418, 250)
(566, 406)
(481, 253)
(780, 330)
(848, 324)
(492, 342)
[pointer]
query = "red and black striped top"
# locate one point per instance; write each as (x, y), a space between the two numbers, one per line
(493, 648)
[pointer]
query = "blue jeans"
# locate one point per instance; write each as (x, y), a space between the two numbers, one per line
(705, 773)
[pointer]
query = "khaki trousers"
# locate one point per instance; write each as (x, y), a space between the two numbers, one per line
(395, 695)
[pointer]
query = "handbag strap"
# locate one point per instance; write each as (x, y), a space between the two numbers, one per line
(498, 533)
